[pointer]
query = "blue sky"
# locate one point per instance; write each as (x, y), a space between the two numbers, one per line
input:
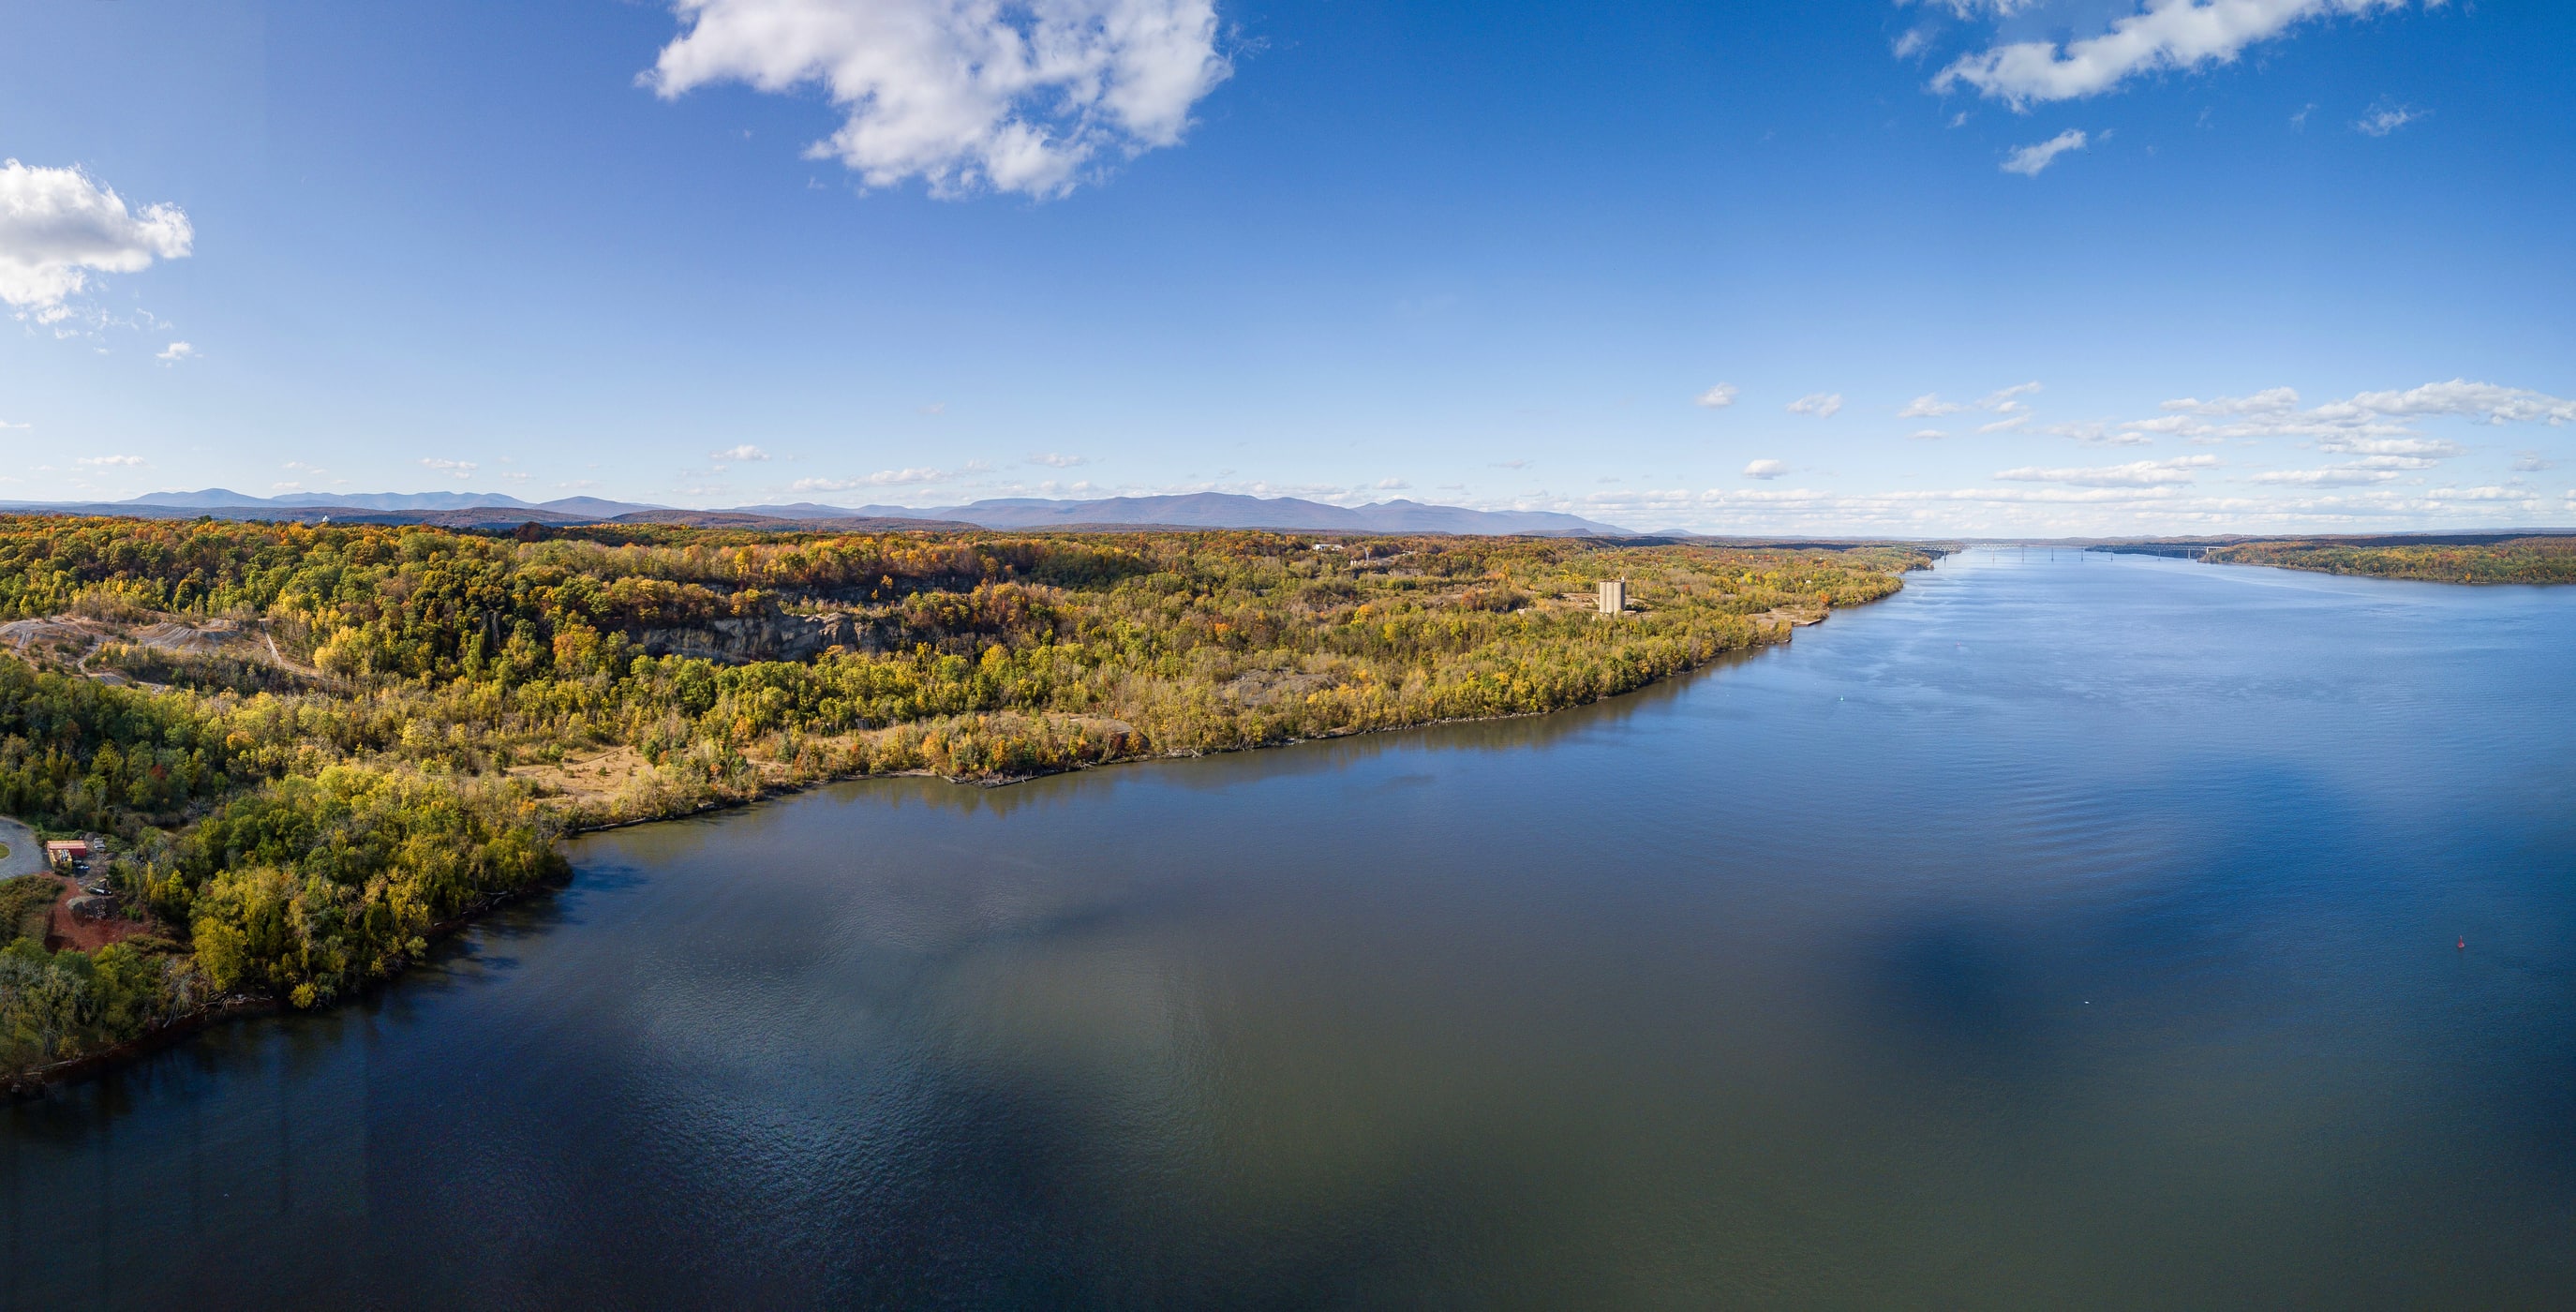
(2271, 264)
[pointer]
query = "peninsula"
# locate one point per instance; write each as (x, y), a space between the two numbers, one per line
(303, 749)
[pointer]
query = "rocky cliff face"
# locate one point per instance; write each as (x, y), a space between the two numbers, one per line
(765, 638)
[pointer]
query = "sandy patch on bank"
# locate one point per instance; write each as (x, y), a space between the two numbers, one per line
(584, 777)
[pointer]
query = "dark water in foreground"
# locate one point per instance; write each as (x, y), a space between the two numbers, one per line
(2051, 935)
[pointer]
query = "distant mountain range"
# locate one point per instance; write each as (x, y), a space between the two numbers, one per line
(1195, 510)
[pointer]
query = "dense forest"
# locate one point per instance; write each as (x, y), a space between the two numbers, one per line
(2520, 560)
(310, 746)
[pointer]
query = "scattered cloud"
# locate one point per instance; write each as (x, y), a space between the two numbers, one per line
(2164, 36)
(2484, 402)
(2101, 433)
(177, 351)
(740, 455)
(457, 468)
(2514, 491)
(2272, 401)
(2530, 462)
(1393, 485)
(2427, 449)
(6, 424)
(1765, 469)
(2005, 424)
(2352, 475)
(58, 226)
(2385, 118)
(118, 462)
(1908, 45)
(2006, 401)
(1718, 397)
(2299, 121)
(966, 95)
(1823, 405)
(2139, 473)
(2371, 423)
(934, 408)
(1509, 464)
(2029, 160)
(881, 478)
(1928, 434)
(1053, 460)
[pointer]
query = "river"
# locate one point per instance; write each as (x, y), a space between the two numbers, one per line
(2062, 932)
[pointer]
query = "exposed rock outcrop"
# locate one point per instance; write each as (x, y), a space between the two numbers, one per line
(765, 638)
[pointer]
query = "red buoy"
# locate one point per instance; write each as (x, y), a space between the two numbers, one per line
(2464, 943)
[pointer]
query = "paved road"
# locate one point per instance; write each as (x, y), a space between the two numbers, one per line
(26, 855)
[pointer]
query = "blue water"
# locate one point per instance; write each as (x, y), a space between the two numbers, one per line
(2058, 933)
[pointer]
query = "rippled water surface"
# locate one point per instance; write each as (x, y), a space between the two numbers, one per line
(2054, 934)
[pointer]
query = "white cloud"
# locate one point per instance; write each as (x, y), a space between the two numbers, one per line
(177, 351)
(2330, 476)
(1823, 405)
(2006, 401)
(2385, 118)
(1053, 460)
(2271, 401)
(1393, 485)
(57, 226)
(2484, 402)
(2531, 462)
(2371, 423)
(121, 462)
(2006, 424)
(2029, 160)
(2166, 35)
(2098, 433)
(2415, 448)
(1928, 434)
(964, 94)
(881, 478)
(459, 468)
(744, 454)
(1765, 469)
(6, 424)
(2139, 473)
(1718, 397)
(2508, 492)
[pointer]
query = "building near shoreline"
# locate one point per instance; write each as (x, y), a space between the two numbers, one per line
(61, 852)
(1614, 596)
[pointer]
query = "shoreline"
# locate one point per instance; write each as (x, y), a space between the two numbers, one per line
(36, 1083)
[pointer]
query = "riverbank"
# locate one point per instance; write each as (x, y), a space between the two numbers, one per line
(35, 1082)
(2546, 559)
(455, 747)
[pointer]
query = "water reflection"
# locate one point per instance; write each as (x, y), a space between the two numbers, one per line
(2054, 934)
